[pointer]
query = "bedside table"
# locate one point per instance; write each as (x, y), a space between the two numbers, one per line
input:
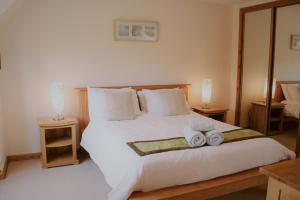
(258, 120)
(58, 142)
(213, 112)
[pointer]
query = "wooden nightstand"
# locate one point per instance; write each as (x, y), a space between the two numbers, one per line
(58, 142)
(284, 180)
(257, 117)
(213, 112)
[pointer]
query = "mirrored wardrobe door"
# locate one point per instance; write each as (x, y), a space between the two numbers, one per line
(284, 120)
(255, 67)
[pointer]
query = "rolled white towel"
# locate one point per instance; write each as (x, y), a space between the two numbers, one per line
(194, 138)
(203, 125)
(214, 138)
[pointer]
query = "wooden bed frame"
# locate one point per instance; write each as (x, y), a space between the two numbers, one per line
(200, 190)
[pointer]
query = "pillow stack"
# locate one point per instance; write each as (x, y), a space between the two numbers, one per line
(113, 104)
(123, 104)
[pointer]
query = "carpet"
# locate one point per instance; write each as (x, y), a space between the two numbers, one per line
(26, 180)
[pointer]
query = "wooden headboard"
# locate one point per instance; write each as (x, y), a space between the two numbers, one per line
(279, 96)
(83, 98)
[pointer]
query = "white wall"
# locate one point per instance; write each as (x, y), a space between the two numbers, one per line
(2, 142)
(72, 41)
(287, 61)
(2, 149)
(5, 4)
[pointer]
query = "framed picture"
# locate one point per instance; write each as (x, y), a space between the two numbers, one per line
(136, 30)
(295, 42)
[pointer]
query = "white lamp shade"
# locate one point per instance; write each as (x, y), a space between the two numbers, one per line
(58, 98)
(266, 88)
(206, 91)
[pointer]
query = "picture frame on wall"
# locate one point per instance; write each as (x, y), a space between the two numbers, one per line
(295, 42)
(135, 30)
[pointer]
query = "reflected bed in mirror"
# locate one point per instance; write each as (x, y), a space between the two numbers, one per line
(287, 71)
(291, 123)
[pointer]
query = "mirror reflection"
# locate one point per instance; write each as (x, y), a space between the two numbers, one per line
(255, 69)
(287, 73)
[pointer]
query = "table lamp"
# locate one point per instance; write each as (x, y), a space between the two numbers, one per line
(206, 92)
(266, 88)
(58, 100)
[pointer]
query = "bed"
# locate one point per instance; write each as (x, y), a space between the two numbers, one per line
(291, 110)
(175, 174)
(292, 107)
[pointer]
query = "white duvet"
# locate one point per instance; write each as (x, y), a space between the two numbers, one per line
(125, 171)
(291, 108)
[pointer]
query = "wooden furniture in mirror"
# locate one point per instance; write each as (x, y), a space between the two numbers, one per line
(258, 117)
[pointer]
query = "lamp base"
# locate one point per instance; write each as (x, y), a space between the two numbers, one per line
(205, 106)
(59, 117)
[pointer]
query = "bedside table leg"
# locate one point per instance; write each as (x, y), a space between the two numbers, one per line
(225, 117)
(74, 146)
(281, 122)
(43, 148)
(298, 140)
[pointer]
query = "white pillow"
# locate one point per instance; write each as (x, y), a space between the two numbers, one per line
(118, 105)
(166, 102)
(294, 92)
(286, 91)
(142, 100)
(135, 101)
(101, 102)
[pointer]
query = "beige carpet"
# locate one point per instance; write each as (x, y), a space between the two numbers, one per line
(27, 181)
(289, 138)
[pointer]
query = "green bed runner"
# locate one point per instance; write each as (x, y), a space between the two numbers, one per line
(144, 148)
